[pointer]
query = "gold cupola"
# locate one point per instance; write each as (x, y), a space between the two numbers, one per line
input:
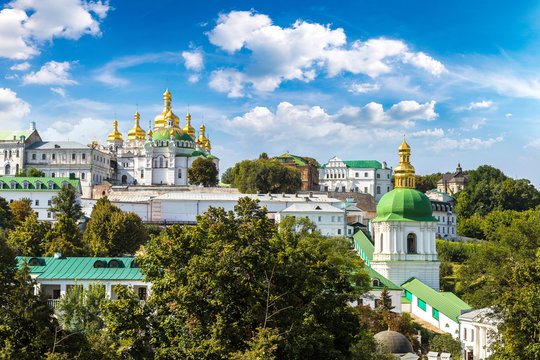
(188, 128)
(202, 140)
(115, 135)
(404, 172)
(136, 133)
(161, 120)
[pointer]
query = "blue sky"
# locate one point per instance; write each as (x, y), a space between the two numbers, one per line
(315, 78)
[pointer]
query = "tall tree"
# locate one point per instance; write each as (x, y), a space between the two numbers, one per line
(227, 177)
(112, 232)
(20, 210)
(228, 284)
(265, 176)
(66, 203)
(203, 172)
(6, 219)
(64, 237)
(385, 300)
(446, 343)
(27, 238)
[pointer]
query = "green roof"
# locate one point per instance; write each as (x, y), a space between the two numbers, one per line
(405, 300)
(382, 280)
(361, 164)
(363, 245)
(81, 268)
(445, 302)
(298, 160)
(5, 184)
(8, 135)
(404, 204)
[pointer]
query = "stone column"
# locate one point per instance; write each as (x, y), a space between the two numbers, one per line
(62, 289)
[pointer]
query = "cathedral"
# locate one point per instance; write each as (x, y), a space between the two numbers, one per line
(161, 156)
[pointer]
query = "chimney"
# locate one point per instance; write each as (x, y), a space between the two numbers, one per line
(32, 126)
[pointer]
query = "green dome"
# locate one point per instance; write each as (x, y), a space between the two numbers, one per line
(404, 204)
(165, 134)
(197, 153)
(161, 134)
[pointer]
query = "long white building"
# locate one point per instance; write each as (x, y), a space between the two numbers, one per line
(361, 176)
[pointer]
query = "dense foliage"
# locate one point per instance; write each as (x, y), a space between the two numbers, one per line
(65, 203)
(446, 343)
(203, 172)
(251, 176)
(424, 183)
(227, 177)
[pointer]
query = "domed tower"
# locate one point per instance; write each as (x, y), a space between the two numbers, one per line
(161, 119)
(115, 137)
(202, 141)
(188, 128)
(404, 230)
(136, 133)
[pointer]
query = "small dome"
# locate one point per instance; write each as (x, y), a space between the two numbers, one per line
(197, 153)
(394, 342)
(404, 204)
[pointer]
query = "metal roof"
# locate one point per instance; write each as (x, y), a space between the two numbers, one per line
(81, 268)
(44, 145)
(213, 196)
(382, 280)
(445, 302)
(8, 135)
(363, 245)
(314, 207)
(361, 164)
(5, 183)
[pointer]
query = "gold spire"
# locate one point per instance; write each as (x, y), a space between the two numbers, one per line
(161, 119)
(150, 133)
(136, 133)
(188, 128)
(404, 172)
(202, 140)
(115, 134)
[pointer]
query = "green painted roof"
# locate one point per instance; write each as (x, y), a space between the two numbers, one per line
(197, 153)
(8, 135)
(363, 245)
(298, 160)
(212, 157)
(404, 204)
(404, 300)
(32, 183)
(81, 268)
(445, 302)
(382, 280)
(165, 134)
(361, 164)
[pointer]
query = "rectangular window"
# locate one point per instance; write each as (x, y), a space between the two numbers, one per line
(48, 215)
(82, 176)
(319, 219)
(84, 156)
(54, 156)
(333, 218)
(33, 156)
(465, 334)
(378, 176)
(408, 295)
(421, 304)
(365, 174)
(52, 174)
(49, 202)
(339, 231)
(37, 202)
(72, 156)
(378, 189)
(435, 313)
(356, 175)
(43, 156)
(365, 189)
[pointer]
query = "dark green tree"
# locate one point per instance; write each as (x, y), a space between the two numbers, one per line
(65, 203)
(203, 172)
(446, 343)
(64, 237)
(27, 238)
(229, 284)
(227, 177)
(265, 176)
(385, 301)
(32, 172)
(6, 219)
(20, 210)
(112, 232)
(427, 182)
(263, 156)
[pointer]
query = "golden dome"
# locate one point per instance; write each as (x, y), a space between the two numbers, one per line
(115, 134)
(136, 133)
(149, 133)
(188, 128)
(404, 172)
(202, 140)
(161, 119)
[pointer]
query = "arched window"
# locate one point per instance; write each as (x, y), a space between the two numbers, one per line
(160, 162)
(376, 282)
(166, 163)
(179, 173)
(7, 169)
(124, 179)
(16, 168)
(411, 243)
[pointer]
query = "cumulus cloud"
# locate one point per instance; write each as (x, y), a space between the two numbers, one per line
(12, 108)
(81, 130)
(52, 73)
(25, 24)
(59, 91)
(349, 123)
(362, 88)
(535, 144)
(20, 66)
(484, 104)
(301, 52)
(465, 144)
(193, 60)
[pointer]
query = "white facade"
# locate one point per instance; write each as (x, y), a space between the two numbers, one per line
(371, 297)
(477, 334)
(368, 177)
(330, 220)
(91, 164)
(405, 249)
(444, 322)
(443, 210)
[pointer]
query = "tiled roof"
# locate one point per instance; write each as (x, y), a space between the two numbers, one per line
(445, 302)
(5, 183)
(82, 268)
(9, 135)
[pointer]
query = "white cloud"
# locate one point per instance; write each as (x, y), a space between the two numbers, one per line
(25, 24)
(428, 133)
(59, 91)
(504, 82)
(465, 144)
(12, 109)
(301, 52)
(508, 115)
(362, 88)
(476, 125)
(193, 60)
(81, 130)
(228, 80)
(52, 73)
(348, 124)
(20, 67)
(107, 74)
(484, 104)
(535, 144)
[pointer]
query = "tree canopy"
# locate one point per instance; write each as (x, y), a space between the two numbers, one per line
(203, 172)
(65, 203)
(227, 177)
(20, 210)
(265, 176)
